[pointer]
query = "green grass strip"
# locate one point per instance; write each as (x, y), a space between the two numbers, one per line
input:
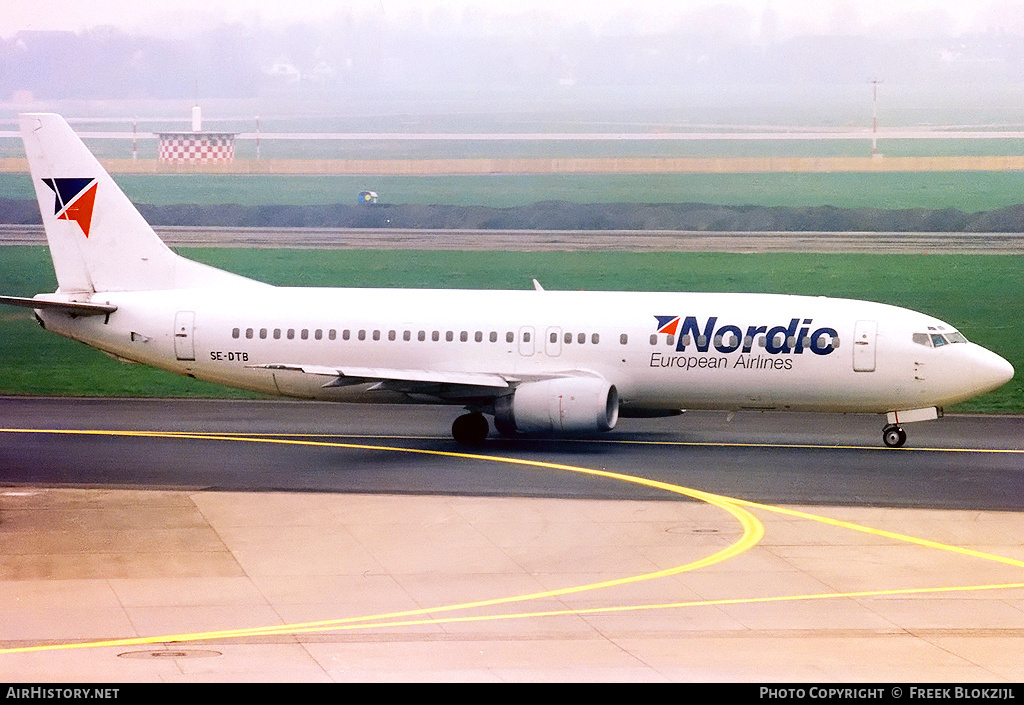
(966, 191)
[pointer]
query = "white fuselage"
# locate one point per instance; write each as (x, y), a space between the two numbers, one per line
(824, 354)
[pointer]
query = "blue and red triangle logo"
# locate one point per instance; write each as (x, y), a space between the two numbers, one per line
(668, 324)
(74, 200)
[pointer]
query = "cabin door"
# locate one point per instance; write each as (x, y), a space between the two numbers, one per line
(864, 346)
(553, 342)
(184, 329)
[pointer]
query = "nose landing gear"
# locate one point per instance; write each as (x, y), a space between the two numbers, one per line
(894, 436)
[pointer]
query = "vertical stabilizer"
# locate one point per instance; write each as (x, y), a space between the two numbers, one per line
(98, 239)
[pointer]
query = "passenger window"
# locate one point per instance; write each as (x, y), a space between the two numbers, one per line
(277, 334)
(568, 338)
(304, 334)
(463, 336)
(407, 336)
(510, 337)
(654, 338)
(362, 335)
(435, 336)
(332, 334)
(236, 333)
(291, 334)
(421, 336)
(346, 334)
(595, 339)
(376, 335)
(494, 336)
(263, 333)
(392, 335)
(248, 333)
(318, 334)
(623, 339)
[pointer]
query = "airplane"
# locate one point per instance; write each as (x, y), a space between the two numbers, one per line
(536, 361)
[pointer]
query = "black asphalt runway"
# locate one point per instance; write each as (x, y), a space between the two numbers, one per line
(567, 240)
(959, 462)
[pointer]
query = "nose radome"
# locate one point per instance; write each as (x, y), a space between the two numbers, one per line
(990, 371)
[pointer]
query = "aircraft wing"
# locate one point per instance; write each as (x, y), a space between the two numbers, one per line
(404, 380)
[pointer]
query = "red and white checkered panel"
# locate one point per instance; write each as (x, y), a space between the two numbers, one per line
(197, 148)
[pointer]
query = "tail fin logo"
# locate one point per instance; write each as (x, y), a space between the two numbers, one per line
(74, 200)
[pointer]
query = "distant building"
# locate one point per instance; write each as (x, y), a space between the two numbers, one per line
(196, 145)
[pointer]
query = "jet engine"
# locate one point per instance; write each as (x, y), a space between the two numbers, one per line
(563, 405)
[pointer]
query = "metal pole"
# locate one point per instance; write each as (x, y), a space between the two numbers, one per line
(874, 117)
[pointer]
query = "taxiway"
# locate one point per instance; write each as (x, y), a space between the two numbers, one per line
(194, 540)
(568, 240)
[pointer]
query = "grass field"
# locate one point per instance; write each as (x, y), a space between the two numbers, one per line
(982, 295)
(966, 191)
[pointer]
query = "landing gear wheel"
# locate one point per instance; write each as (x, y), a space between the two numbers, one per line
(894, 436)
(504, 426)
(470, 429)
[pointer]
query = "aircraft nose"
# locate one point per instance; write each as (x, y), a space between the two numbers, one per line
(990, 371)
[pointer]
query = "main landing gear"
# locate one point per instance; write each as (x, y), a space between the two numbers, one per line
(471, 429)
(894, 436)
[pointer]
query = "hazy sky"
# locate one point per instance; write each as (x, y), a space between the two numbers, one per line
(795, 16)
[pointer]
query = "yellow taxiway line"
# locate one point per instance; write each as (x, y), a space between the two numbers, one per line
(752, 533)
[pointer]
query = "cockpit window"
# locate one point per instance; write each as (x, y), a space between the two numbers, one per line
(937, 340)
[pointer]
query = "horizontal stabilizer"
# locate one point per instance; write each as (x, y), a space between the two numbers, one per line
(75, 308)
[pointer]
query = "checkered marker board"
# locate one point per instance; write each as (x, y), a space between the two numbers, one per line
(197, 148)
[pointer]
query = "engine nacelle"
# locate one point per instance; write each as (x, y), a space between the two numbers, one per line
(565, 405)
